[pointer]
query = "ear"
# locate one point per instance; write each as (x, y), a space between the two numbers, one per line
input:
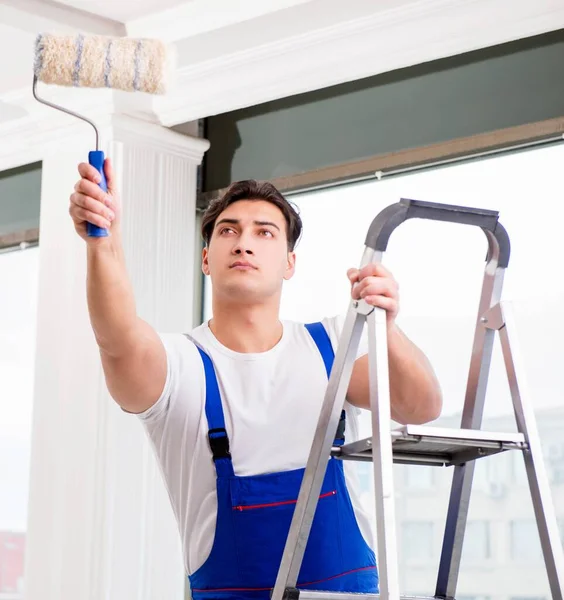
(290, 269)
(205, 263)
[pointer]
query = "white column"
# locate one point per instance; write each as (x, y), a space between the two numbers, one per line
(100, 522)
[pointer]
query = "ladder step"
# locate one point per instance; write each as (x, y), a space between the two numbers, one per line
(426, 445)
(315, 595)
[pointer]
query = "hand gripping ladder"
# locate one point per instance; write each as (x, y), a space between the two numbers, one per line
(424, 445)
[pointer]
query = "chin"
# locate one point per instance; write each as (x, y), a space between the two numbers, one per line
(245, 294)
(240, 292)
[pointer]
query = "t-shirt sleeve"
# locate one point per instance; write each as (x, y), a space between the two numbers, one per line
(182, 368)
(334, 326)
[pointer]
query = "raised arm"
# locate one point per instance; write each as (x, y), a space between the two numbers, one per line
(132, 354)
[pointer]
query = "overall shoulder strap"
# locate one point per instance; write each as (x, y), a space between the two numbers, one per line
(323, 343)
(217, 434)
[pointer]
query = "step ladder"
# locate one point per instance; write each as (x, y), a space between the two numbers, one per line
(425, 445)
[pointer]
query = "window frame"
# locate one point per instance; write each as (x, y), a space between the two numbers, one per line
(501, 141)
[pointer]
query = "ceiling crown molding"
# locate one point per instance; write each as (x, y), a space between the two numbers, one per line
(390, 39)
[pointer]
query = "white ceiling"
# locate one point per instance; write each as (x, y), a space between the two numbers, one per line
(122, 10)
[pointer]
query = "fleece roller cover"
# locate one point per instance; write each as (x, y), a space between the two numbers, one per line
(94, 61)
(132, 65)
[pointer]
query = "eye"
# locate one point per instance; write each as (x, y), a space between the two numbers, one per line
(224, 230)
(266, 233)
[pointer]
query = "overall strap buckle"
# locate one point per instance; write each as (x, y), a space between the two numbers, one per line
(219, 443)
(340, 435)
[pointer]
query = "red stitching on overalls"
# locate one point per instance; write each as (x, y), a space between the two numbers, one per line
(299, 584)
(253, 506)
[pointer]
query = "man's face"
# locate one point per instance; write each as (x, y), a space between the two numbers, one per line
(247, 257)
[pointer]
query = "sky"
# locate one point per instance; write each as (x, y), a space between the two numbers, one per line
(439, 268)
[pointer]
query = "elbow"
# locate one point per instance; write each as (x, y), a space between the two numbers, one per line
(427, 408)
(431, 408)
(431, 405)
(432, 412)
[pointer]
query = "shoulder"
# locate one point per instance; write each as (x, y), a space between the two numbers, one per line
(334, 326)
(184, 378)
(180, 349)
(297, 331)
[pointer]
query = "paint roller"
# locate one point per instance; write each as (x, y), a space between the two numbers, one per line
(132, 65)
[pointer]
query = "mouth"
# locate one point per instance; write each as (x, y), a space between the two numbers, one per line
(241, 265)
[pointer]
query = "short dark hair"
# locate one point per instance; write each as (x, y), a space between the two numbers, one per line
(250, 189)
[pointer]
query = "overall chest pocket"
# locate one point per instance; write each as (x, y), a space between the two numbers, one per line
(262, 511)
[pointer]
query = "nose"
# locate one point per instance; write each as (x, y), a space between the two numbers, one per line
(241, 248)
(243, 242)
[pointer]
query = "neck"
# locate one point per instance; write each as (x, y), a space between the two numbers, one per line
(246, 328)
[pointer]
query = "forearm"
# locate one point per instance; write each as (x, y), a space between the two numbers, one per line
(414, 389)
(111, 301)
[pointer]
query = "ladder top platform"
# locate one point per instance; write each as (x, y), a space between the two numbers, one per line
(438, 446)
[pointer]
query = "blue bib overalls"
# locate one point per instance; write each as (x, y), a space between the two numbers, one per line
(254, 515)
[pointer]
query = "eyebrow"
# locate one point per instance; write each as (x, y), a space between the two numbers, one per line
(237, 222)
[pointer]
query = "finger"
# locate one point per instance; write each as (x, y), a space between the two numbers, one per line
(375, 270)
(352, 274)
(89, 172)
(81, 215)
(90, 204)
(377, 286)
(390, 305)
(88, 188)
(110, 175)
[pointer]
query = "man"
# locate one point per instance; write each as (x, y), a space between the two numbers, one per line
(231, 408)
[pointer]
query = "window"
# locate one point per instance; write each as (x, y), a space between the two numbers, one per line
(417, 540)
(418, 477)
(18, 274)
(519, 472)
(525, 541)
(20, 194)
(440, 268)
(561, 529)
(482, 476)
(476, 545)
(554, 451)
(554, 455)
(557, 474)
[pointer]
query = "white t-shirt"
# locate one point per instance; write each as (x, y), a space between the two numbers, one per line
(271, 403)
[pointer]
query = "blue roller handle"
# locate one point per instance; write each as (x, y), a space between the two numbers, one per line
(96, 159)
